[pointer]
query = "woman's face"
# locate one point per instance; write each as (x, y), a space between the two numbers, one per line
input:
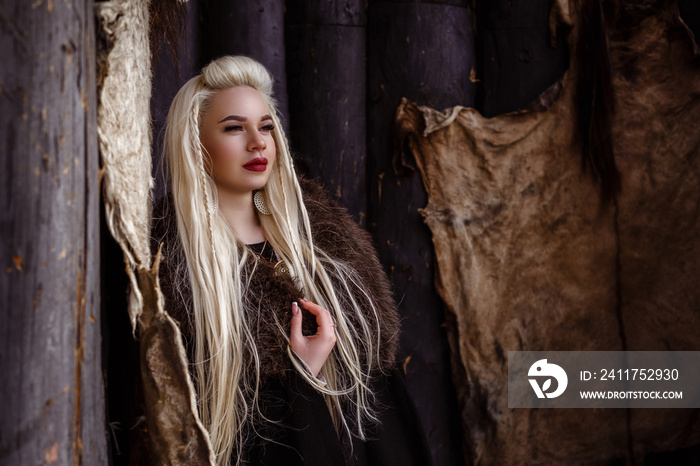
(237, 134)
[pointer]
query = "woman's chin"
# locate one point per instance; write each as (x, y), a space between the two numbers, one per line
(243, 188)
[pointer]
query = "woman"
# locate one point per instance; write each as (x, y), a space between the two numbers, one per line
(247, 245)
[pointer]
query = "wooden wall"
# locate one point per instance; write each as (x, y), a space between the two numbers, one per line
(340, 71)
(51, 391)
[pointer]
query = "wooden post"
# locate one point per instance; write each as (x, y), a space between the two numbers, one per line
(327, 88)
(51, 388)
(425, 52)
(168, 78)
(248, 27)
(516, 59)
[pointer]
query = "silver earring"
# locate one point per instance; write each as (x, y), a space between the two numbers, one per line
(260, 202)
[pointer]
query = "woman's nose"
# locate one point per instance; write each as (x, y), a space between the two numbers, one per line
(257, 142)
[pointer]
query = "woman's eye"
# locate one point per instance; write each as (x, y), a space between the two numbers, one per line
(233, 128)
(267, 128)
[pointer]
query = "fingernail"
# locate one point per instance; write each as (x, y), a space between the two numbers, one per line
(295, 308)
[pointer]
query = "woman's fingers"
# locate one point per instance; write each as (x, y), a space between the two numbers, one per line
(314, 349)
(323, 317)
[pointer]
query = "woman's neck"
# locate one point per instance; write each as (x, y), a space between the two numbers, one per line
(240, 214)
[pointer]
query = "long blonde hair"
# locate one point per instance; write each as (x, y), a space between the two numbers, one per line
(226, 358)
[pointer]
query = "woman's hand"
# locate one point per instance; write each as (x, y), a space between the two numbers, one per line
(314, 349)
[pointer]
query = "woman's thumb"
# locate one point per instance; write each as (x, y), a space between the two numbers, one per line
(296, 321)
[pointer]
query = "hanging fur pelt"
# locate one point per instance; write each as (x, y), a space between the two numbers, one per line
(124, 131)
(535, 254)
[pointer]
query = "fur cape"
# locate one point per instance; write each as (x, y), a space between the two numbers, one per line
(268, 295)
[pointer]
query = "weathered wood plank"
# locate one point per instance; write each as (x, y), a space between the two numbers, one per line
(248, 27)
(423, 51)
(327, 87)
(50, 356)
(516, 60)
(168, 78)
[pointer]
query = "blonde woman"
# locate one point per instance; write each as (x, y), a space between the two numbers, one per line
(285, 311)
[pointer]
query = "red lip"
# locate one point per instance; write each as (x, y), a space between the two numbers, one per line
(258, 164)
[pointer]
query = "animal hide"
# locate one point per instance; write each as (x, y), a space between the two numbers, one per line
(531, 256)
(177, 435)
(124, 131)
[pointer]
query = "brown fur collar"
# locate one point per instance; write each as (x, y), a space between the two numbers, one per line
(269, 296)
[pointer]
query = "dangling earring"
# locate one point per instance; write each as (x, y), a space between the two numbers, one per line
(260, 202)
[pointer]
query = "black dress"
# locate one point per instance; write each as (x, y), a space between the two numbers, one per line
(305, 434)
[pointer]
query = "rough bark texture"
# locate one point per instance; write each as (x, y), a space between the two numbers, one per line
(51, 391)
(530, 258)
(424, 51)
(327, 88)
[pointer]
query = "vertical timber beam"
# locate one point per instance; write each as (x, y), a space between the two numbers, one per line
(249, 27)
(517, 60)
(327, 95)
(423, 51)
(51, 391)
(168, 78)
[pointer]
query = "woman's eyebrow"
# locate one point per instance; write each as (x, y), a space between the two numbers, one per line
(242, 118)
(234, 117)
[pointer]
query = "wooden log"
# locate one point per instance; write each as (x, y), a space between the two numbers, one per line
(169, 76)
(50, 355)
(326, 82)
(424, 51)
(248, 27)
(517, 61)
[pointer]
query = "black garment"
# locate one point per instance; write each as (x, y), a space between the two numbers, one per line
(307, 436)
(264, 250)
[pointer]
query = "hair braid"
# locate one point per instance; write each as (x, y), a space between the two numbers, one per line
(204, 181)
